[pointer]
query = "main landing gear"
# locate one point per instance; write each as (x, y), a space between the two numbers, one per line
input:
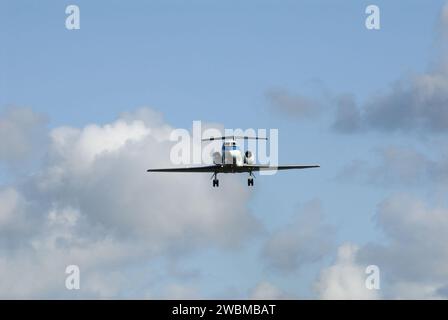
(250, 180)
(215, 180)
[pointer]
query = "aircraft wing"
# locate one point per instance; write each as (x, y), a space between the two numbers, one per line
(224, 169)
(260, 167)
(212, 168)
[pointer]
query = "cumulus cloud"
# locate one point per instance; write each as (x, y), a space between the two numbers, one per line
(415, 103)
(181, 292)
(397, 166)
(9, 199)
(307, 239)
(13, 222)
(101, 169)
(22, 132)
(412, 259)
(415, 254)
(36, 268)
(267, 291)
(93, 204)
(345, 279)
(416, 290)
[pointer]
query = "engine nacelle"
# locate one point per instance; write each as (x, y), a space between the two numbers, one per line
(217, 158)
(249, 157)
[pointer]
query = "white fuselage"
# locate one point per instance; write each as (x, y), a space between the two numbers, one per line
(231, 154)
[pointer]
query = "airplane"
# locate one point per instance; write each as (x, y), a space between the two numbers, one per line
(232, 160)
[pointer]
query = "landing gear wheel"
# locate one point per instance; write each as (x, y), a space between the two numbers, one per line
(250, 182)
(215, 179)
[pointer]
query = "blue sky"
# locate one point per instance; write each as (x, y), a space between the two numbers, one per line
(218, 57)
(217, 61)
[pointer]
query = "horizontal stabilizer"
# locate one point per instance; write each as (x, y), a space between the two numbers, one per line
(233, 138)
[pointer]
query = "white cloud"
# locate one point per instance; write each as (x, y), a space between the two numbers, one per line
(102, 169)
(345, 279)
(306, 240)
(413, 260)
(415, 290)
(13, 222)
(415, 253)
(267, 291)
(9, 211)
(82, 147)
(181, 292)
(93, 204)
(36, 268)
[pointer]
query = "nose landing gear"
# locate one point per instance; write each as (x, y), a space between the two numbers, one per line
(215, 180)
(250, 180)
